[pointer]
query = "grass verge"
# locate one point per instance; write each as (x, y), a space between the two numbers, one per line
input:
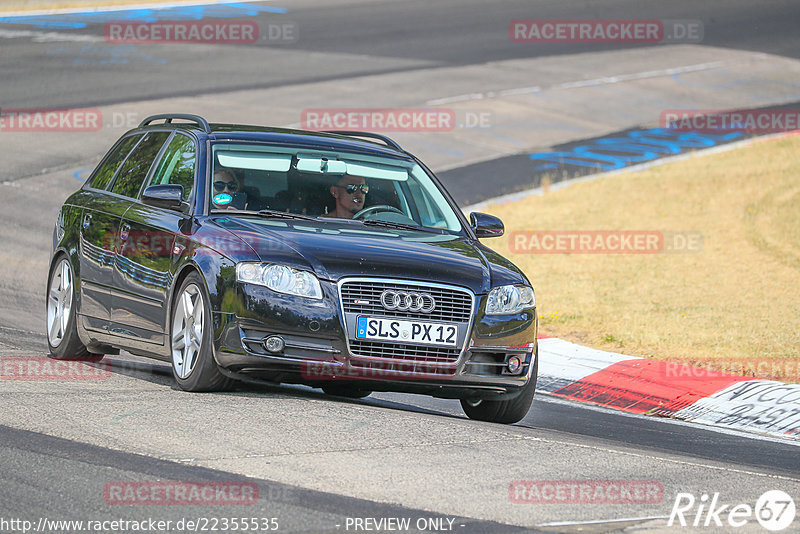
(733, 306)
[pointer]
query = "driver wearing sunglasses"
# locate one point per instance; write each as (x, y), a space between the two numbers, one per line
(225, 182)
(350, 193)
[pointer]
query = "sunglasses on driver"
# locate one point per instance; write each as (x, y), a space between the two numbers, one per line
(221, 185)
(352, 188)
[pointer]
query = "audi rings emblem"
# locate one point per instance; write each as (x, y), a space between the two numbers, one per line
(413, 302)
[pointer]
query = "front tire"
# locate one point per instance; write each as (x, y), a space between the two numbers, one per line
(191, 344)
(503, 411)
(62, 333)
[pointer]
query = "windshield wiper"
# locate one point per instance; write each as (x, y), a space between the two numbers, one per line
(275, 214)
(403, 226)
(284, 215)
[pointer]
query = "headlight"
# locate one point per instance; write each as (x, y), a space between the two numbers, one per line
(280, 278)
(505, 300)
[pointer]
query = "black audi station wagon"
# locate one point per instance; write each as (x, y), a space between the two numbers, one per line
(331, 259)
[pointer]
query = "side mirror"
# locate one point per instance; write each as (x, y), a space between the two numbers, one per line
(168, 196)
(485, 225)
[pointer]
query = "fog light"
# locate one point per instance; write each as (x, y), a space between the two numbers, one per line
(274, 344)
(514, 365)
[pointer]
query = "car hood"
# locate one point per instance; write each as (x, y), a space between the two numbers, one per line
(333, 250)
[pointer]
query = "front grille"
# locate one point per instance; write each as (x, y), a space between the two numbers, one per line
(401, 352)
(451, 304)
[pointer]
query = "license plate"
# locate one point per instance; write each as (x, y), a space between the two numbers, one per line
(399, 331)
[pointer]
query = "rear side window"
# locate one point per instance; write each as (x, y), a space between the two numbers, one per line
(177, 165)
(133, 172)
(112, 162)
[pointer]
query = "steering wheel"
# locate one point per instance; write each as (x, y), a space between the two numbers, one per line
(376, 209)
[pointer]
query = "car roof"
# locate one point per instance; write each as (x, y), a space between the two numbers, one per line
(321, 140)
(352, 141)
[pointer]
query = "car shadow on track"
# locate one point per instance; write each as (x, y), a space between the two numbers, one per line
(257, 389)
(160, 373)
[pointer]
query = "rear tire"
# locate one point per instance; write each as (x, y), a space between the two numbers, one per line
(337, 390)
(62, 333)
(503, 411)
(191, 343)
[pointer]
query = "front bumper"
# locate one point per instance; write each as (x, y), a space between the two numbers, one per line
(318, 348)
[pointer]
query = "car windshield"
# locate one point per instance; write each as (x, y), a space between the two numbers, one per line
(271, 181)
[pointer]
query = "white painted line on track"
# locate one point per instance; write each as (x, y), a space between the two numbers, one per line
(724, 465)
(601, 521)
(50, 37)
(605, 80)
(121, 7)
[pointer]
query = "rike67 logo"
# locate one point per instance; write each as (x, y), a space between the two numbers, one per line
(774, 510)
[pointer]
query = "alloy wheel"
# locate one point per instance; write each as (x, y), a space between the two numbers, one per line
(59, 303)
(187, 330)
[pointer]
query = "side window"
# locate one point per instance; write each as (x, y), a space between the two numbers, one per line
(177, 165)
(429, 213)
(134, 170)
(106, 171)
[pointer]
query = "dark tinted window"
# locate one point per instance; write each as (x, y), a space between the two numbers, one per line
(134, 170)
(106, 171)
(177, 165)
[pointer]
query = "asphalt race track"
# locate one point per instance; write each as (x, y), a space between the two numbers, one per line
(318, 462)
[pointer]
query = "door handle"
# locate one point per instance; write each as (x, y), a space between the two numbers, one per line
(87, 220)
(123, 231)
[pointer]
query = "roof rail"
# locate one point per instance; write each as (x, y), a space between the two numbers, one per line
(369, 135)
(168, 117)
